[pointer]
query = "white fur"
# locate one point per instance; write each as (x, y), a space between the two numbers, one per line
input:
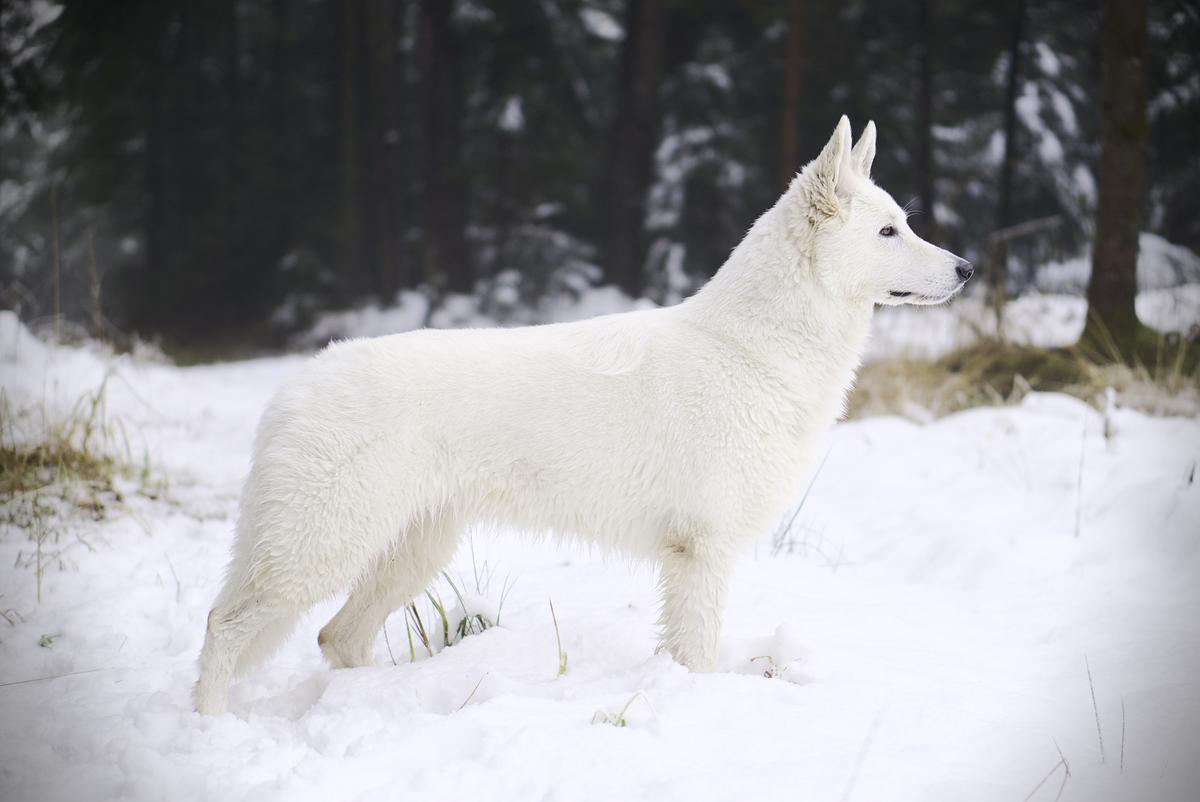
(675, 435)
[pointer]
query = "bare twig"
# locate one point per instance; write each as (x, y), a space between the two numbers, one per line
(1079, 477)
(52, 676)
(1122, 734)
(1062, 763)
(388, 641)
(178, 586)
(56, 268)
(1038, 787)
(504, 590)
(788, 527)
(41, 537)
(472, 693)
(862, 755)
(412, 652)
(1095, 708)
(94, 287)
(1066, 772)
(1026, 228)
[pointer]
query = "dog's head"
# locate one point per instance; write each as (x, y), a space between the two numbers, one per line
(861, 243)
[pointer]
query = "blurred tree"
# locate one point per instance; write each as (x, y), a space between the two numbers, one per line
(445, 259)
(243, 164)
(634, 131)
(1112, 324)
(21, 85)
(373, 167)
(1173, 173)
(350, 76)
(1012, 68)
(792, 84)
(926, 224)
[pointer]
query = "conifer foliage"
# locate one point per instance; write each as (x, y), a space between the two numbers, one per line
(213, 171)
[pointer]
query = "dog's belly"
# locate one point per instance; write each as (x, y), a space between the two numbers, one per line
(631, 497)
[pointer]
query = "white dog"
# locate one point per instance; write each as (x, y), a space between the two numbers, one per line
(676, 435)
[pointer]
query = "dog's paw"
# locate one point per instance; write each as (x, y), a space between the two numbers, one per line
(207, 701)
(691, 656)
(341, 654)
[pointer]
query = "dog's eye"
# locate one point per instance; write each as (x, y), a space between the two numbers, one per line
(887, 231)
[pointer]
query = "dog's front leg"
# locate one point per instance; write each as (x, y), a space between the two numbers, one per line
(693, 583)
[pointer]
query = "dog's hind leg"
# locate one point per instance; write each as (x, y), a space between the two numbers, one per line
(240, 633)
(259, 606)
(392, 580)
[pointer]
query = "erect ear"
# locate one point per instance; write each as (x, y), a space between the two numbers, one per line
(864, 152)
(827, 173)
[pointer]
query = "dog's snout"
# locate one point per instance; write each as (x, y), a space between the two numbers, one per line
(964, 269)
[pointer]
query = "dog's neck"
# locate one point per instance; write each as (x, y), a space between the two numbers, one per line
(768, 298)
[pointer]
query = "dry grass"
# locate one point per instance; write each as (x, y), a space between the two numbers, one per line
(58, 469)
(619, 718)
(68, 459)
(993, 372)
(55, 468)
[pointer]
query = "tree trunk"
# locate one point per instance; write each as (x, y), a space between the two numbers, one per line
(234, 185)
(926, 224)
(789, 134)
(445, 261)
(380, 141)
(153, 298)
(1112, 326)
(349, 189)
(155, 215)
(997, 268)
(401, 150)
(1016, 33)
(283, 152)
(634, 136)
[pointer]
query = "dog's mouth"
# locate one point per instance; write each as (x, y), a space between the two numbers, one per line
(919, 298)
(916, 297)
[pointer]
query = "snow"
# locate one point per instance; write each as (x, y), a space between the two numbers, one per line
(1161, 265)
(411, 311)
(929, 621)
(408, 313)
(1029, 109)
(715, 74)
(1084, 185)
(1047, 59)
(512, 116)
(1048, 320)
(601, 24)
(677, 156)
(1065, 111)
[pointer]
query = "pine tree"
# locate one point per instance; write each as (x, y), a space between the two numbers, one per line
(1112, 328)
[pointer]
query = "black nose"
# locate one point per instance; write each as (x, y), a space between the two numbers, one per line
(964, 269)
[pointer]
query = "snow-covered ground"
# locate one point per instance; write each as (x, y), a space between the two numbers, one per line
(960, 610)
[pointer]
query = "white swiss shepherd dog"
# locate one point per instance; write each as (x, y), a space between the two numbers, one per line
(676, 435)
